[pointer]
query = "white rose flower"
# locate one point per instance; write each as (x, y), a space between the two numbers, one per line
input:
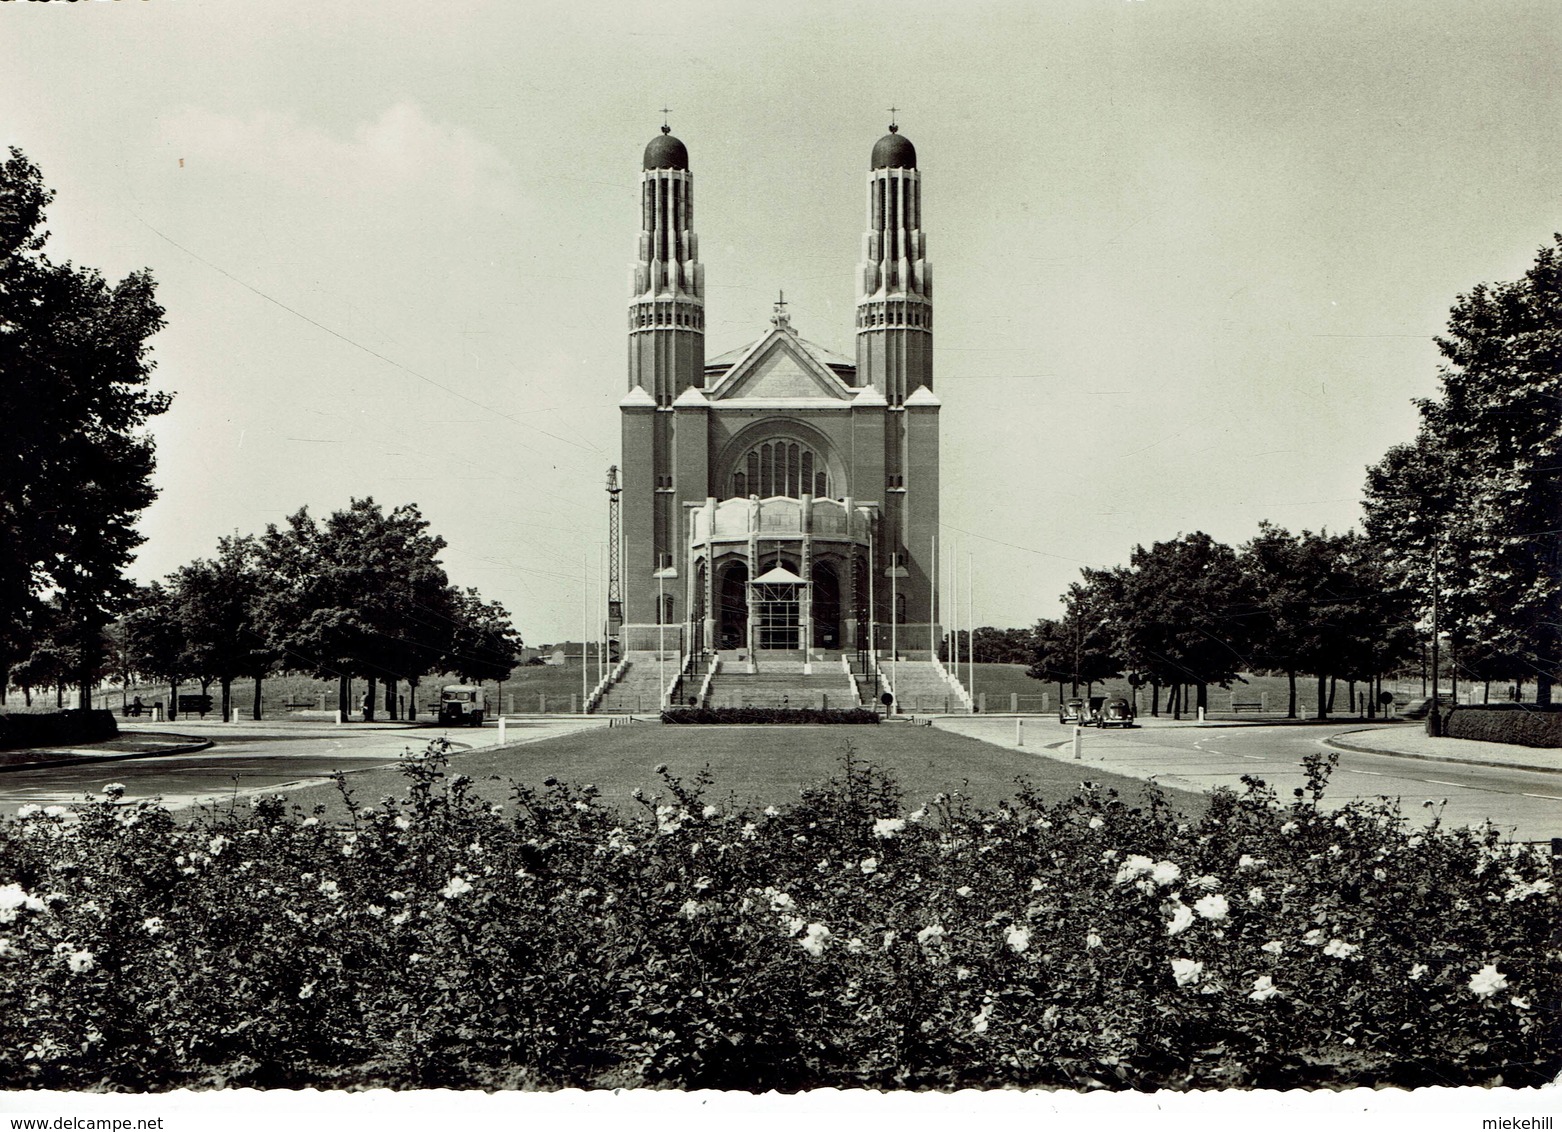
(885, 828)
(1181, 919)
(1186, 971)
(1018, 938)
(80, 962)
(458, 886)
(1263, 988)
(1487, 981)
(1212, 907)
(1165, 873)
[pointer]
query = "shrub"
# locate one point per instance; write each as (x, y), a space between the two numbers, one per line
(769, 715)
(436, 940)
(58, 728)
(1523, 724)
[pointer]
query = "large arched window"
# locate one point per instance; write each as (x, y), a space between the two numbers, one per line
(780, 467)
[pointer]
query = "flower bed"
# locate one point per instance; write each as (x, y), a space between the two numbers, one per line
(1528, 725)
(841, 940)
(769, 715)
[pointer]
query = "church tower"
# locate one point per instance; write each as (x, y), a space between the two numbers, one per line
(895, 357)
(667, 284)
(666, 357)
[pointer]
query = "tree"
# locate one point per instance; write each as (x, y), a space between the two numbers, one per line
(1181, 613)
(485, 645)
(75, 468)
(1080, 647)
(1321, 606)
(216, 605)
(152, 638)
(997, 646)
(363, 595)
(1476, 496)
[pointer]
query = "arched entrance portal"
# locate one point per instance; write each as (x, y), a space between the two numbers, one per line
(826, 606)
(732, 607)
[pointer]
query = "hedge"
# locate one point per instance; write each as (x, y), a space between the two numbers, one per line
(1526, 725)
(769, 715)
(59, 728)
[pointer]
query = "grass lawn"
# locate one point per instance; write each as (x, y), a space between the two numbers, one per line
(759, 764)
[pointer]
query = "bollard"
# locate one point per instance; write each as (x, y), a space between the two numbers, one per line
(501, 730)
(1201, 715)
(1079, 741)
(1019, 732)
(339, 720)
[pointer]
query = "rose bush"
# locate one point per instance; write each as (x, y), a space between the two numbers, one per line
(841, 940)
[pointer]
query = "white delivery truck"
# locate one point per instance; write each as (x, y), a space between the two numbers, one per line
(461, 703)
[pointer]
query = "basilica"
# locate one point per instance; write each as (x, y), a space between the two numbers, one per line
(780, 500)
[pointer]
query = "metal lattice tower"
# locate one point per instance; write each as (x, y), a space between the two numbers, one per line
(615, 588)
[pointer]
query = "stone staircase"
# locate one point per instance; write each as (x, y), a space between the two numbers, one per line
(920, 686)
(780, 682)
(640, 687)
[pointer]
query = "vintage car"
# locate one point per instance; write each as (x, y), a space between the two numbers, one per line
(1072, 711)
(1116, 712)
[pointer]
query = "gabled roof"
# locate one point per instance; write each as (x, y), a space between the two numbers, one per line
(637, 397)
(782, 366)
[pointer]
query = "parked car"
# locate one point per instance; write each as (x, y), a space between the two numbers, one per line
(1093, 710)
(461, 703)
(1072, 711)
(1116, 712)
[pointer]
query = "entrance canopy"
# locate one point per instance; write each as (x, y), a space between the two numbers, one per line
(778, 576)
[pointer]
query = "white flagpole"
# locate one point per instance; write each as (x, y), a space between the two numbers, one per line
(970, 621)
(955, 611)
(585, 628)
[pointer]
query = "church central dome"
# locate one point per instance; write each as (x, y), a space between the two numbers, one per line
(666, 152)
(894, 152)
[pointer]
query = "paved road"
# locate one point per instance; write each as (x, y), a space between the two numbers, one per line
(254, 758)
(1526, 804)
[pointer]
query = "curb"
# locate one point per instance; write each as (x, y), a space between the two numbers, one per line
(118, 756)
(1364, 750)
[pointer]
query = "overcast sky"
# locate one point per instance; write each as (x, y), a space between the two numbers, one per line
(1190, 256)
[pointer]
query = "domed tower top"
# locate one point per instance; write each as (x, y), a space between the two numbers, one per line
(666, 152)
(890, 152)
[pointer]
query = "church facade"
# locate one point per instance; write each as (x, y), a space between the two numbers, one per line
(780, 497)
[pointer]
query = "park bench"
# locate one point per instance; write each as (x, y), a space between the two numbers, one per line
(1247, 705)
